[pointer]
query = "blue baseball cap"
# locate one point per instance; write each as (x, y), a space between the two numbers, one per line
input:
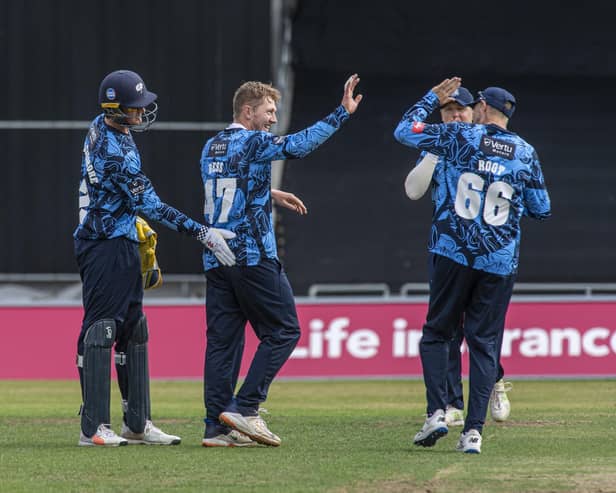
(497, 98)
(462, 96)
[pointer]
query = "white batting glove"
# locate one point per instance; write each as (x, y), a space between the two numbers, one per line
(214, 239)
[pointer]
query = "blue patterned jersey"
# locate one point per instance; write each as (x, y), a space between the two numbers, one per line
(236, 171)
(487, 179)
(114, 190)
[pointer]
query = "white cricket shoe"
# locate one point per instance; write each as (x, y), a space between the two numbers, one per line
(151, 435)
(233, 438)
(252, 426)
(470, 442)
(500, 408)
(454, 416)
(104, 437)
(434, 428)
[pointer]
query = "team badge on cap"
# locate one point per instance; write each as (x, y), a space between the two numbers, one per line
(139, 87)
(110, 93)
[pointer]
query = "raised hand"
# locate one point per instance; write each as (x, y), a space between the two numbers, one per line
(446, 88)
(349, 102)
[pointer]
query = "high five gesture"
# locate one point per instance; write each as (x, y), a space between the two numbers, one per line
(349, 102)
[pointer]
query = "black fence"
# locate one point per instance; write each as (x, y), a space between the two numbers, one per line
(361, 227)
(192, 53)
(551, 56)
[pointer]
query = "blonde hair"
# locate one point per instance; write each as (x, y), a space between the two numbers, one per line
(253, 93)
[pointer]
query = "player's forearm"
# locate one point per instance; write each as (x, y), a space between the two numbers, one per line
(419, 178)
(304, 142)
(171, 218)
(411, 120)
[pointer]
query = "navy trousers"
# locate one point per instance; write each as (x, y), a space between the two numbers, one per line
(480, 299)
(110, 273)
(261, 295)
(455, 390)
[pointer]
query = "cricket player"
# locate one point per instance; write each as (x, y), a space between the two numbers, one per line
(492, 178)
(236, 172)
(417, 182)
(112, 192)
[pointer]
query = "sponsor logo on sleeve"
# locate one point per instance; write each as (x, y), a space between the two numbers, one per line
(495, 147)
(218, 149)
(136, 187)
(418, 127)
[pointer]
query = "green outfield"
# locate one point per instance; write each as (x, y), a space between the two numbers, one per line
(349, 436)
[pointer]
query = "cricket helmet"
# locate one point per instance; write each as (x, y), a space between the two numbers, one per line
(123, 89)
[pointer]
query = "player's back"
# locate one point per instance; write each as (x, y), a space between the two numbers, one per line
(490, 178)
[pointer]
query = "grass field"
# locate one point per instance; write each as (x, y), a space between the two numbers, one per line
(349, 436)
